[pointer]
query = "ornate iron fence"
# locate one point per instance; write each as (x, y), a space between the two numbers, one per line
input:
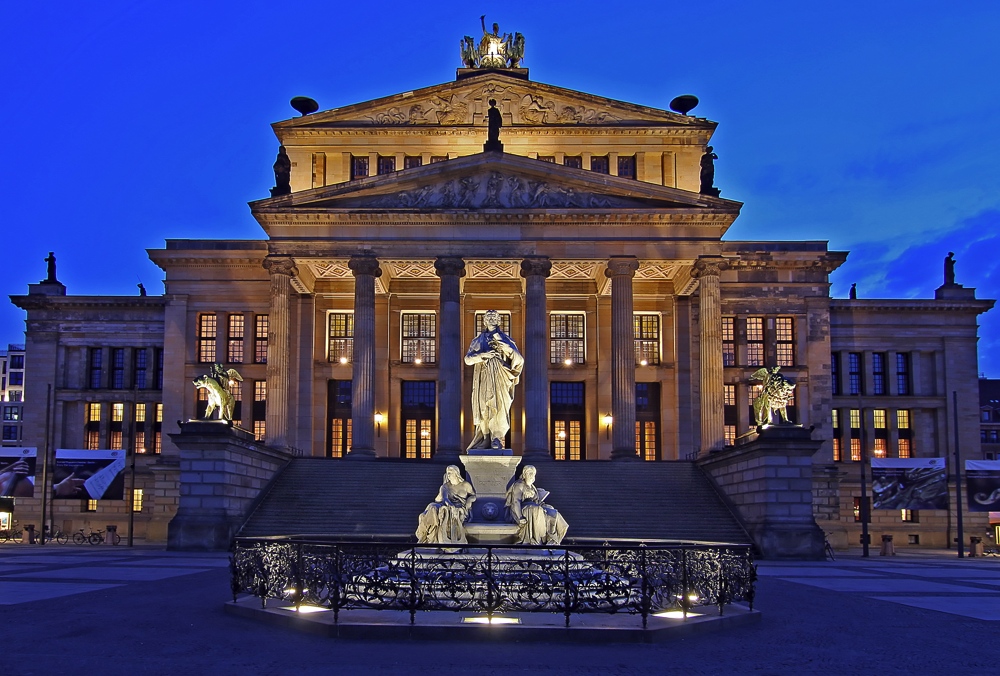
(612, 577)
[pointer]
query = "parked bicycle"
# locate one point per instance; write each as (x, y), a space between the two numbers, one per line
(94, 537)
(59, 536)
(12, 534)
(827, 548)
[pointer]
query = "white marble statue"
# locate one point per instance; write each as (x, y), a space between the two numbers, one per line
(538, 523)
(443, 522)
(498, 364)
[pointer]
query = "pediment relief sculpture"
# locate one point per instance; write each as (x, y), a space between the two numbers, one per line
(493, 190)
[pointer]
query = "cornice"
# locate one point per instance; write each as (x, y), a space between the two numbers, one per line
(62, 302)
(916, 305)
(695, 133)
(403, 220)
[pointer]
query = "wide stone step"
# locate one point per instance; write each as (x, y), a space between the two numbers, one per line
(602, 499)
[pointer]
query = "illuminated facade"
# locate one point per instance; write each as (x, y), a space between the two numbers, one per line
(639, 321)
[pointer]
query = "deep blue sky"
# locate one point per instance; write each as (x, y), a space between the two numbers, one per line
(873, 125)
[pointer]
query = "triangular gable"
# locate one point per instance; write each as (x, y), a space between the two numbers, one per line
(494, 181)
(465, 102)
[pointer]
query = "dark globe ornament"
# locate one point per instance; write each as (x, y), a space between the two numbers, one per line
(684, 104)
(304, 105)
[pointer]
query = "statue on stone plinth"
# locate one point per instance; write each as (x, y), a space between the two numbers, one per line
(495, 120)
(51, 268)
(219, 382)
(498, 364)
(443, 521)
(537, 523)
(282, 173)
(949, 269)
(708, 173)
(493, 46)
(775, 395)
(853, 295)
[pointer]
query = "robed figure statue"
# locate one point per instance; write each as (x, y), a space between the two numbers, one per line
(443, 521)
(498, 364)
(538, 523)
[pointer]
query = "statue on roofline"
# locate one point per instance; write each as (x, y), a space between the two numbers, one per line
(495, 50)
(949, 268)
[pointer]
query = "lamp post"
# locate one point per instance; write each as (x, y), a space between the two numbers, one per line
(864, 486)
(607, 425)
(378, 424)
(45, 459)
(958, 476)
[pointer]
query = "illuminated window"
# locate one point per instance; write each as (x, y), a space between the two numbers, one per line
(728, 341)
(386, 164)
(117, 412)
(139, 445)
(857, 509)
(909, 515)
(730, 434)
(157, 429)
(729, 395)
(206, 338)
(136, 499)
(96, 363)
(258, 430)
(418, 343)
(339, 399)
(260, 339)
(879, 448)
(417, 409)
(729, 414)
(234, 347)
(647, 339)
(340, 329)
(903, 448)
(92, 428)
(647, 416)
(566, 332)
(878, 373)
(903, 419)
(568, 412)
(755, 341)
(259, 408)
(94, 412)
(855, 450)
(902, 373)
(784, 337)
(117, 368)
(854, 372)
(566, 442)
(359, 166)
(878, 415)
(626, 166)
(90, 505)
(838, 449)
(600, 164)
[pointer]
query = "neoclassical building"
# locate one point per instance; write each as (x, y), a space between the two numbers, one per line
(592, 233)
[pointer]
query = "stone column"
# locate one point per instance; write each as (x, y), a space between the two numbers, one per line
(449, 387)
(621, 270)
(707, 269)
(278, 348)
(365, 269)
(536, 369)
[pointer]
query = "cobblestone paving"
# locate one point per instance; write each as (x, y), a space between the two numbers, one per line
(112, 610)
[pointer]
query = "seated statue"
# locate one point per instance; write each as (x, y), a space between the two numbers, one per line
(443, 522)
(537, 522)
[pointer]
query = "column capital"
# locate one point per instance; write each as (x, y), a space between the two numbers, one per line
(280, 265)
(364, 265)
(622, 266)
(536, 265)
(445, 266)
(709, 266)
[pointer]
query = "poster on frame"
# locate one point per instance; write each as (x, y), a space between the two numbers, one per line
(909, 483)
(17, 472)
(982, 485)
(88, 475)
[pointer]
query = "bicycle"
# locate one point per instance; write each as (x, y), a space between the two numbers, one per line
(15, 534)
(94, 537)
(59, 536)
(827, 548)
(98, 537)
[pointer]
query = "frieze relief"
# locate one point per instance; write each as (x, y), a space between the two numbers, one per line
(494, 190)
(518, 104)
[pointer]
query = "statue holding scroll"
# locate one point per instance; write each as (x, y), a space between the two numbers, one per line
(498, 364)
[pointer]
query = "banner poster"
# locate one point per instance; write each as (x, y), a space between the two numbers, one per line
(17, 472)
(909, 483)
(93, 475)
(982, 482)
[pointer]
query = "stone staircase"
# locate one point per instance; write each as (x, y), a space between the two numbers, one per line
(599, 499)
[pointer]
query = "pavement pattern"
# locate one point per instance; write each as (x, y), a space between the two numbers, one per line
(114, 610)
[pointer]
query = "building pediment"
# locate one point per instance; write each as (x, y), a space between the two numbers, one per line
(465, 102)
(494, 181)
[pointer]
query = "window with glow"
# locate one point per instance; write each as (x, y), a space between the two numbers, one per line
(568, 408)
(418, 400)
(260, 339)
(340, 328)
(566, 332)
(647, 339)
(647, 420)
(755, 341)
(234, 348)
(784, 336)
(338, 407)
(136, 499)
(729, 414)
(418, 344)
(206, 338)
(728, 341)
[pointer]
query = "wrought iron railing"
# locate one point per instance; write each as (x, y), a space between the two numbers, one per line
(612, 577)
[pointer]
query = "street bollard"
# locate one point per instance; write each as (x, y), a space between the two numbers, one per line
(887, 547)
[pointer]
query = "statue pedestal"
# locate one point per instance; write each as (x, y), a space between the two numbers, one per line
(490, 475)
(490, 451)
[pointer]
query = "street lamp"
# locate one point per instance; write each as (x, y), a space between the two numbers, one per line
(607, 424)
(378, 423)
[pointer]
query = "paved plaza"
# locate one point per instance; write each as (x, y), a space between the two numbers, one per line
(114, 610)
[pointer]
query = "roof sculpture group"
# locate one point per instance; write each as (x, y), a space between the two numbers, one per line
(494, 50)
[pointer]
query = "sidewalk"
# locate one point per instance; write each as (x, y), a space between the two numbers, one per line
(111, 610)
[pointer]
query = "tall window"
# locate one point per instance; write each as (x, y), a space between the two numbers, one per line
(647, 420)
(854, 372)
(359, 167)
(904, 448)
(96, 365)
(259, 409)
(568, 407)
(755, 341)
(139, 358)
(878, 373)
(728, 341)
(118, 368)
(136, 499)
(880, 443)
(92, 427)
(139, 429)
(158, 429)
(417, 406)
(626, 166)
(386, 164)
(647, 339)
(206, 338)
(234, 347)
(576, 162)
(412, 161)
(838, 437)
(116, 426)
(784, 339)
(158, 382)
(903, 373)
(566, 333)
(341, 337)
(855, 420)
(835, 372)
(729, 414)
(418, 341)
(600, 164)
(338, 407)
(260, 339)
